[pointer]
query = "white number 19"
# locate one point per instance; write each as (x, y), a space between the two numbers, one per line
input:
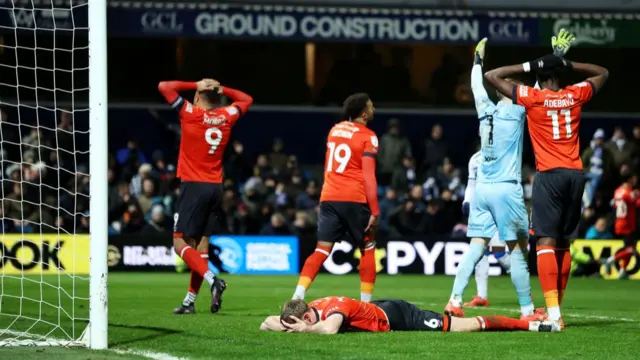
(555, 122)
(341, 154)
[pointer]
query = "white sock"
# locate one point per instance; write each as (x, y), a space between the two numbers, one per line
(300, 292)
(527, 310)
(189, 299)
(209, 277)
(365, 297)
(611, 260)
(482, 277)
(456, 301)
(554, 313)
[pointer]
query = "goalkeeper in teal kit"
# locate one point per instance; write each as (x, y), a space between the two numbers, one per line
(498, 203)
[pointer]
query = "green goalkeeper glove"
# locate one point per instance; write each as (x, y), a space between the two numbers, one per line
(478, 55)
(562, 43)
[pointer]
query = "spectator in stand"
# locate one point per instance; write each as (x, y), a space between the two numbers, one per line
(407, 220)
(599, 166)
(252, 195)
(621, 148)
(277, 226)
(404, 176)
(387, 205)
(132, 219)
(588, 219)
(157, 223)
(247, 224)
(277, 158)
(436, 149)
(309, 199)
(262, 168)
(144, 172)
(448, 178)
(394, 146)
(416, 195)
(636, 142)
(64, 137)
(279, 199)
(159, 164)
(433, 219)
(236, 166)
(303, 224)
(130, 158)
(168, 181)
(148, 197)
(599, 231)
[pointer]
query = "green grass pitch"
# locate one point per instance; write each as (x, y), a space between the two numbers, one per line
(602, 317)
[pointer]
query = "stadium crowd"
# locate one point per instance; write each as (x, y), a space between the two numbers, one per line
(46, 185)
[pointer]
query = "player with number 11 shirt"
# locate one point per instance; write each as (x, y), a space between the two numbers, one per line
(205, 131)
(553, 116)
(349, 199)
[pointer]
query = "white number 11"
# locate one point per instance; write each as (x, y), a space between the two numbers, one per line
(555, 122)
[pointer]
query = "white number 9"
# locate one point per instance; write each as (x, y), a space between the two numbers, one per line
(341, 154)
(214, 142)
(433, 323)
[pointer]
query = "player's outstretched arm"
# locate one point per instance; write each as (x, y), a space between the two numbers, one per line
(477, 87)
(496, 77)
(171, 89)
(272, 323)
(597, 74)
(329, 326)
(241, 100)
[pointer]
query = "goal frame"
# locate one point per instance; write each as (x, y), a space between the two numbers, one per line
(98, 169)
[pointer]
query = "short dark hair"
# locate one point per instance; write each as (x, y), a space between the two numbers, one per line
(354, 105)
(210, 96)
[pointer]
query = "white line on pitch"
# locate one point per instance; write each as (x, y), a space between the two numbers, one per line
(147, 354)
(515, 310)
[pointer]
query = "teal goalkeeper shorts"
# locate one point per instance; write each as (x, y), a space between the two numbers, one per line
(498, 207)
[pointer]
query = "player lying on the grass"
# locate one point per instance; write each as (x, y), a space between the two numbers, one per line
(496, 246)
(553, 118)
(498, 203)
(349, 198)
(625, 201)
(334, 314)
(205, 133)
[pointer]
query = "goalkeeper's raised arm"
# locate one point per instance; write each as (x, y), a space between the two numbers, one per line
(482, 101)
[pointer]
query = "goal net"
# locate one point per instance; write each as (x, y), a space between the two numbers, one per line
(53, 166)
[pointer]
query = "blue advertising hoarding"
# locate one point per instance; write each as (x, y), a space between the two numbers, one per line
(263, 255)
(321, 24)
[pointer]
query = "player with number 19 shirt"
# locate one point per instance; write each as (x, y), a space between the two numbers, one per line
(349, 200)
(205, 133)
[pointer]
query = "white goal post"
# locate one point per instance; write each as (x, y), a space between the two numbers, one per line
(54, 171)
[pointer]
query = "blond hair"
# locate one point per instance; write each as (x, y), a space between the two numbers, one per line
(295, 308)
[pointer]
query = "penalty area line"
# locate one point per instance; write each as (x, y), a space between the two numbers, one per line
(147, 354)
(570, 315)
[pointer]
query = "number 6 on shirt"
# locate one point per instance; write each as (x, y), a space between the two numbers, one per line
(213, 141)
(341, 154)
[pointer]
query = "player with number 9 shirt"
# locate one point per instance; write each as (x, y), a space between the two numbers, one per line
(205, 131)
(553, 117)
(349, 198)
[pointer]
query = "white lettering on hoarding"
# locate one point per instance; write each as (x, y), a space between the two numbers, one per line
(148, 255)
(268, 257)
(338, 27)
(334, 268)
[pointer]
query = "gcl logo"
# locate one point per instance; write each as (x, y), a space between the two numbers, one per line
(26, 255)
(161, 21)
(511, 30)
